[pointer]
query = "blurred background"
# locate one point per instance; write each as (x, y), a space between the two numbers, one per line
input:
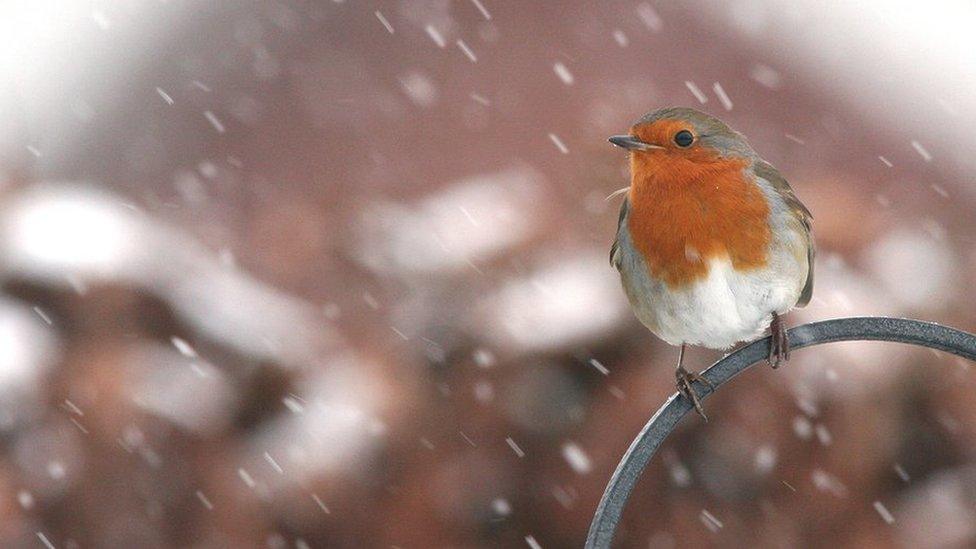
(334, 274)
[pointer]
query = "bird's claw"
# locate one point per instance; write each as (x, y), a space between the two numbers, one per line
(684, 379)
(779, 343)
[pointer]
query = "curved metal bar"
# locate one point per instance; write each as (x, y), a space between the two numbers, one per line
(900, 330)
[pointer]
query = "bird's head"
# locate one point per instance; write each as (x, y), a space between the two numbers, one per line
(678, 140)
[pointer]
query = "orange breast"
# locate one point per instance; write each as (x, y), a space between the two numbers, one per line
(685, 211)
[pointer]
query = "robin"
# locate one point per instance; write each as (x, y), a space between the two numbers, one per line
(713, 247)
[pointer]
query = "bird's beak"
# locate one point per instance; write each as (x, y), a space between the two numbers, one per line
(631, 143)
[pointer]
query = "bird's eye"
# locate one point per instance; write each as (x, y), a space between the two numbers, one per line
(684, 138)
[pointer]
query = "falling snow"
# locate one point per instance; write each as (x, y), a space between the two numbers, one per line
(204, 500)
(921, 151)
(467, 51)
(47, 543)
(765, 459)
(246, 477)
(386, 24)
(318, 501)
(166, 97)
(558, 143)
(696, 91)
(620, 38)
(294, 404)
(563, 73)
(214, 121)
(44, 316)
(902, 474)
(327, 248)
(883, 511)
(419, 88)
(501, 506)
(484, 358)
(480, 99)
(823, 435)
(649, 17)
(577, 458)
(274, 464)
(436, 36)
(599, 367)
(723, 97)
(826, 482)
(26, 499)
(515, 447)
(766, 76)
(183, 347)
(710, 521)
(802, 427)
(481, 9)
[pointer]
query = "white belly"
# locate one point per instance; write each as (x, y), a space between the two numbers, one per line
(719, 310)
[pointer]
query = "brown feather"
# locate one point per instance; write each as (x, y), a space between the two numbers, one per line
(768, 172)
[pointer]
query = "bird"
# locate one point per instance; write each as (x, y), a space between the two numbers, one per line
(713, 246)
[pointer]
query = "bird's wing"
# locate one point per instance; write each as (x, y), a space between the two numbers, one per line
(624, 208)
(766, 171)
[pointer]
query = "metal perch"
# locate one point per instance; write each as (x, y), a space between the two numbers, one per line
(899, 330)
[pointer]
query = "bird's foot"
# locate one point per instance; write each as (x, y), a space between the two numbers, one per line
(684, 379)
(779, 343)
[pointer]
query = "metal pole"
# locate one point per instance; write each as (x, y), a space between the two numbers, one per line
(899, 330)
